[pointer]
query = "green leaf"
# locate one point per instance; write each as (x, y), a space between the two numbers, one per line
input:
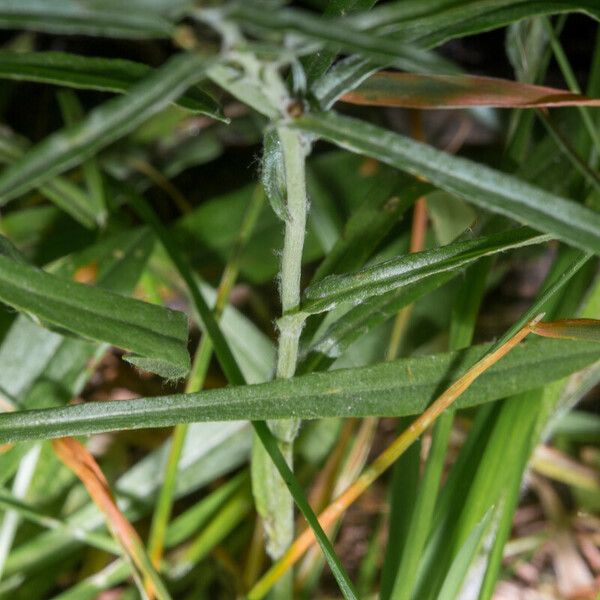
(390, 274)
(338, 34)
(103, 125)
(450, 216)
(476, 183)
(212, 451)
(91, 73)
(72, 113)
(204, 313)
(395, 388)
(462, 325)
(270, 444)
(209, 233)
(463, 560)
(390, 198)
(64, 193)
(157, 335)
(431, 22)
(235, 376)
(83, 18)
(49, 357)
(488, 471)
(343, 77)
(361, 319)
(317, 64)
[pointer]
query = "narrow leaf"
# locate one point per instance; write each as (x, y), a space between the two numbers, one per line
(387, 458)
(371, 222)
(476, 183)
(156, 335)
(431, 22)
(460, 565)
(110, 121)
(412, 90)
(86, 18)
(272, 173)
(383, 277)
(91, 73)
(397, 388)
(64, 193)
(72, 112)
(236, 377)
(338, 34)
(361, 319)
(270, 444)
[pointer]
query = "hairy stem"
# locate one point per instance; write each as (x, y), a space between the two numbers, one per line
(273, 497)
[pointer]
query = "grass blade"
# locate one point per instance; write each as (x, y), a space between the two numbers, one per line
(332, 33)
(361, 319)
(462, 327)
(64, 193)
(196, 380)
(461, 563)
(430, 23)
(91, 73)
(386, 459)
(89, 18)
(110, 121)
(235, 376)
(97, 540)
(317, 64)
(72, 112)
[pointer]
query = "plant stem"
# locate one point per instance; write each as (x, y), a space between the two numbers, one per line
(195, 383)
(273, 497)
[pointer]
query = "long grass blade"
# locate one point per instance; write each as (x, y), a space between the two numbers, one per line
(103, 125)
(92, 73)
